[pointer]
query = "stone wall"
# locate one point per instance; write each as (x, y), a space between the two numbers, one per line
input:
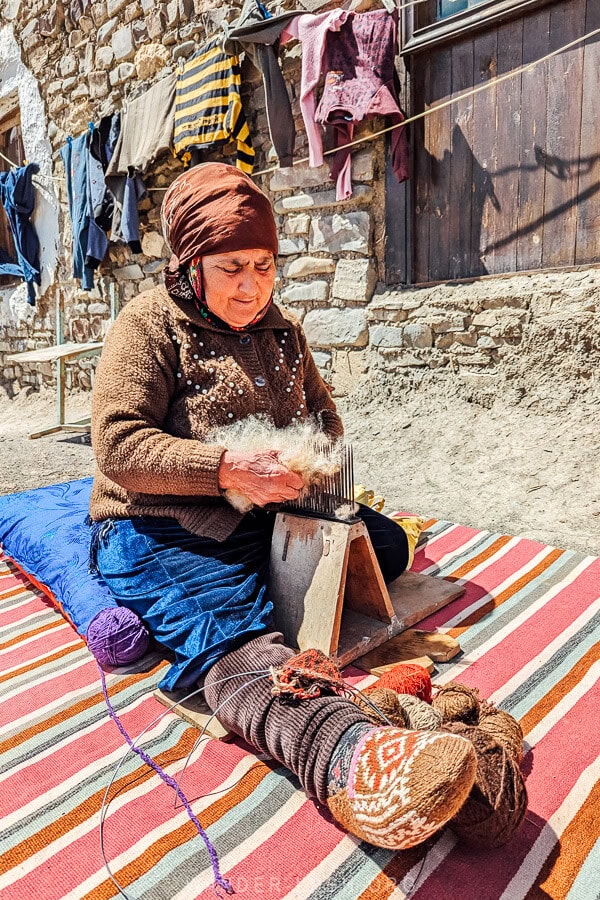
(88, 56)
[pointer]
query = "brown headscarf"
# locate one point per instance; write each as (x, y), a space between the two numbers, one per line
(215, 208)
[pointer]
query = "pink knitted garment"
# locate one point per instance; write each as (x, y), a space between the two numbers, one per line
(312, 31)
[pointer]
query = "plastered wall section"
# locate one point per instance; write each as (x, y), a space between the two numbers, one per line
(18, 83)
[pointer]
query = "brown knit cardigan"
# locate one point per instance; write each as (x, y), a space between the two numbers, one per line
(166, 378)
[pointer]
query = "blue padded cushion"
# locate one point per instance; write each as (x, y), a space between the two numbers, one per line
(44, 532)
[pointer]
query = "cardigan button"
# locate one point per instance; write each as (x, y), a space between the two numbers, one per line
(260, 381)
(245, 339)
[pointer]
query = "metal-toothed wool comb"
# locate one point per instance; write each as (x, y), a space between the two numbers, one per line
(333, 496)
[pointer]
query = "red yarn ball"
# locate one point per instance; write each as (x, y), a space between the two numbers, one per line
(407, 678)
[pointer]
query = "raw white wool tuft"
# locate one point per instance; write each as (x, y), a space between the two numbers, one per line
(302, 446)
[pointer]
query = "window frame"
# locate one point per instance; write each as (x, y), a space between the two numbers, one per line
(421, 34)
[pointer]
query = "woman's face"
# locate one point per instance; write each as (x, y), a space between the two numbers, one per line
(238, 285)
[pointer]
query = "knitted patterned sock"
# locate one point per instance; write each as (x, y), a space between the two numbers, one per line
(341, 758)
(401, 786)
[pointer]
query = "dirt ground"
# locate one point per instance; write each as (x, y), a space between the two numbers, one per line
(507, 468)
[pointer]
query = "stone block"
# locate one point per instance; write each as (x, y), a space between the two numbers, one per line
(173, 13)
(290, 246)
(106, 31)
(486, 342)
(336, 328)
(11, 9)
(98, 309)
(139, 31)
(132, 12)
(341, 233)
(86, 62)
(297, 224)
(384, 310)
(99, 13)
(308, 265)
(186, 32)
(299, 177)
(417, 336)
(104, 57)
(82, 90)
(354, 279)
(68, 65)
(123, 44)
(129, 273)
(121, 73)
(466, 338)
(86, 24)
(30, 29)
(38, 59)
(319, 200)
(98, 82)
(152, 268)
(153, 244)
(115, 6)
(151, 59)
(52, 20)
(183, 50)
(147, 5)
(155, 23)
(307, 292)
(362, 166)
(442, 324)
(385, 336)
(323, 360)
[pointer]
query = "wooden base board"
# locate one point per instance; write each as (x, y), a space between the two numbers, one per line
(414, 597)
(372, 658)
(194, 711)
(409, 646)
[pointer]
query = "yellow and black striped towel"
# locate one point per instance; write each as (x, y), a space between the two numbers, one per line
(208, 105)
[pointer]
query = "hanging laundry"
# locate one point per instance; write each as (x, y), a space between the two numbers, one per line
(17, 196)
(146, 129)
(119, 212)
(208, 105)
(361, 81)
(312, 31)
(257, 33)
(89, 241)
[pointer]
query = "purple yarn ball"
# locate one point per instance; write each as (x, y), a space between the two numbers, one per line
(117, 636)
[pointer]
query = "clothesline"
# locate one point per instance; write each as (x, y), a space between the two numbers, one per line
(446, 103)
(433, 109)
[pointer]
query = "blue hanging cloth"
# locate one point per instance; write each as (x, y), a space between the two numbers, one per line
(17, 196)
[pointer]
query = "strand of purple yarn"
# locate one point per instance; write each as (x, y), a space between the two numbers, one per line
(219, 880)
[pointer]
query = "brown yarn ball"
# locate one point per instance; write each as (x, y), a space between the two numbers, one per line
(497, 803)
(457, 703)
(503, 727)
(385, 700)
(419, 715)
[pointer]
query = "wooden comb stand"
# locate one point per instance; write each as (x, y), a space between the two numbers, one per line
(329, 593)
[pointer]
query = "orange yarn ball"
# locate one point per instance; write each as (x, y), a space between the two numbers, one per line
(408, 678)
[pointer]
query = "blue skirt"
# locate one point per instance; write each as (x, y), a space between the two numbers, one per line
(199, 597)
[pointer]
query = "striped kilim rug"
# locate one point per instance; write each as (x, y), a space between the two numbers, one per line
(529, 625)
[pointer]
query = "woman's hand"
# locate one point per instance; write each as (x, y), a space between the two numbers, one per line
(260, 476)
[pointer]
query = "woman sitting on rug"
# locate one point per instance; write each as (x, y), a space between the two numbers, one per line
(209, 349)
